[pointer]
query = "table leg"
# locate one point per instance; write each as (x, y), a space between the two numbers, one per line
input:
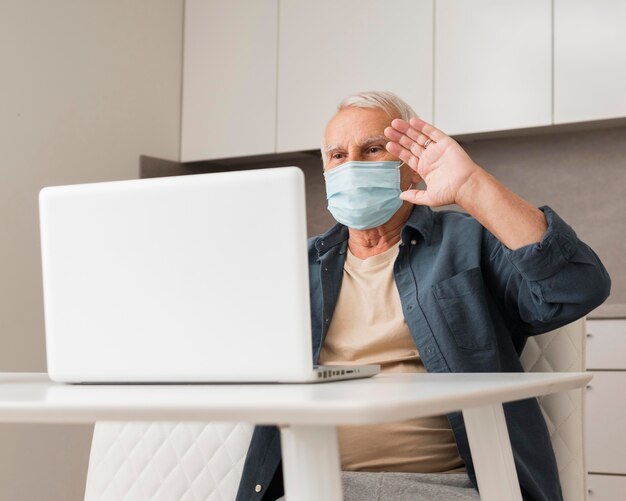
(491, 453)
(311, 469)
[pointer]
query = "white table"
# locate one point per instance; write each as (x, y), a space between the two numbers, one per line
(306, 413)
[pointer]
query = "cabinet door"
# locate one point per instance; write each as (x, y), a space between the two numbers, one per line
(606, 344)
(492, 65)
(589, 60)
(606, 415)
(606, 488)
(229, 78)
(329, 49)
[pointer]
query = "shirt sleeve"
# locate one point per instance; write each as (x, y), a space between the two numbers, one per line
(545, 285)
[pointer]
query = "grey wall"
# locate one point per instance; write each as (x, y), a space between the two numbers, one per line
(582, 175)
(85, 89)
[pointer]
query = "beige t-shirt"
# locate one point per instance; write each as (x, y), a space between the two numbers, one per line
(368, 326)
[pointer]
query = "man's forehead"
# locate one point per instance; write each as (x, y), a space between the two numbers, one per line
(357, 125)
(360, 141)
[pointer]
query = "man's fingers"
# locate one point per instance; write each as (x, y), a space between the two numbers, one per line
(417, 197)
(396, 149)
(393, 134)
(404, 154)
(404, 145)
(403, 127)
(416, 149)
(400, 125)
(427, 129)
(414, 146)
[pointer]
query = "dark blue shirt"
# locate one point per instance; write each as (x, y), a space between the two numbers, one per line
(470, 303)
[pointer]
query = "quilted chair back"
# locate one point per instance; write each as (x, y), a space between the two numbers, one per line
(166, 461)
(563, 350)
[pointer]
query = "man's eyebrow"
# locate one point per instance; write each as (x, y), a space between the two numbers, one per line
(380, 138)
(375, 139)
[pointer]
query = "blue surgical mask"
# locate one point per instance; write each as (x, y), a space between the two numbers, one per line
(363, 195)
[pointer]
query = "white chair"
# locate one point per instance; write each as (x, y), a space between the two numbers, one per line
(563, 350)
(166, 461)
(157, 461)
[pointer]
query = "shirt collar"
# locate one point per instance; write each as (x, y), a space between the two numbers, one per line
(326, 241)
(421, 219)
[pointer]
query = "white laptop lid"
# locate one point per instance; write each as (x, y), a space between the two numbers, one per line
(191, 278)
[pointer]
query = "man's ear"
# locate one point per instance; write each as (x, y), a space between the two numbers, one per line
(409, 177)
(415, 179)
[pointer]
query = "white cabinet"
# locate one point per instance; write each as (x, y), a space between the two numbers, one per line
(606, 345)
(589, 60)
(492, 65)
(606, 487)
(265, 76)
(330, 49)
(229, 78)
(606, 416)
(606, 409)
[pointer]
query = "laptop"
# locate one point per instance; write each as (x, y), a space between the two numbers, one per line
(188, 279)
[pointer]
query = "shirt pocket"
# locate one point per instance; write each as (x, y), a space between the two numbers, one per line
(463, 303)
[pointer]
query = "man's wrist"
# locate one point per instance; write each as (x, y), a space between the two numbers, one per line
(511, 219)
(469, 193)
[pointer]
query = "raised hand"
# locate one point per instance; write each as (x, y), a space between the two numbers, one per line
(436, 157)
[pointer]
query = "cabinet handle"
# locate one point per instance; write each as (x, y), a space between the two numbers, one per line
(589, 334)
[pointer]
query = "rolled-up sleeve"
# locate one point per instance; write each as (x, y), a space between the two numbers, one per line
(549, 283)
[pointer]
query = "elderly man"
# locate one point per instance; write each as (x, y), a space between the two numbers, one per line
(397, 284)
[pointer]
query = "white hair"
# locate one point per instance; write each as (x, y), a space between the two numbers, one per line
(379, 100)
(390, 103)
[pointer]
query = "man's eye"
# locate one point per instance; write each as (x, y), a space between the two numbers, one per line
(336, 156)
(374, 149)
